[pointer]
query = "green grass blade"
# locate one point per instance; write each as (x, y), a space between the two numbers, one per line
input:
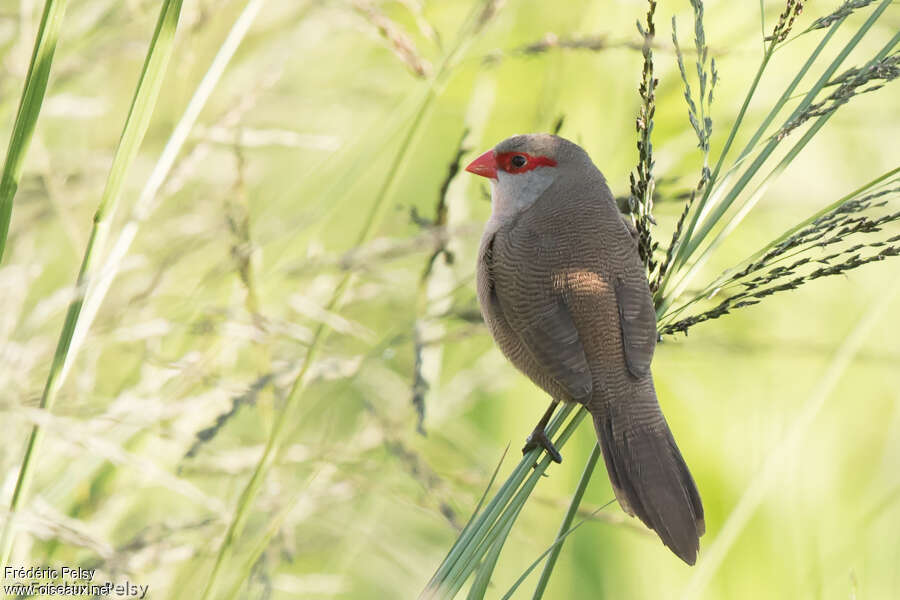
(29, 109)
(556, 543)
(136, 124)
(487, 489)
(148, 198)
(483, 575)
(467, 542)
(475, 514)
(494, 508)
(473, 554)
(501, 529)
(495, 540)
(567, 522)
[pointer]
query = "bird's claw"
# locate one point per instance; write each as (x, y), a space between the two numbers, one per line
(539, 439)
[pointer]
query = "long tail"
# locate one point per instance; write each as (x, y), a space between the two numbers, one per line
(647, 472)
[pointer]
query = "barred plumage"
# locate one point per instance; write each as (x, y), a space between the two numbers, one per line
(564, 294)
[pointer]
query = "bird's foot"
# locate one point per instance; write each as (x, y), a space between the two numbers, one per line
(539, 439)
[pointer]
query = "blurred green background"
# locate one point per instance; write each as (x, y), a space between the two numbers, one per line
(216, 304)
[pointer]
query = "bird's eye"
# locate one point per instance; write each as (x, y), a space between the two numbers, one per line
(518, 161)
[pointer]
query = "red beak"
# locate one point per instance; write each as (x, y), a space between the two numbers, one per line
(485, 165)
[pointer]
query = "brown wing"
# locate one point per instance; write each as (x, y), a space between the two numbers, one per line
(539, 314)
(638, 322)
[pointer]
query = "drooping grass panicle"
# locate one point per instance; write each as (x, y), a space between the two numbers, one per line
(400, 43)
(857, 226)
(711, 209)
(707, 77)
(420, 384)
(885, 69)
(721, 282)
(782, 279)
(248, 397)
(642, 183)
(792, 10)
(851, 83)
(552, 41)
(839, 14)
(699, 115)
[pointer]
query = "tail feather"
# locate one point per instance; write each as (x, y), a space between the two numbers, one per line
(651, 479)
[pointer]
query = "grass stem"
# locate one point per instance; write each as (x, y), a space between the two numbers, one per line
(29, 110)
(566, 524)
(158, 54)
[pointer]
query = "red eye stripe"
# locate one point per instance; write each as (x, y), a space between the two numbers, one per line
(505, 162)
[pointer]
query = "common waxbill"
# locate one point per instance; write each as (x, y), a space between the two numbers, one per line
(563, 292)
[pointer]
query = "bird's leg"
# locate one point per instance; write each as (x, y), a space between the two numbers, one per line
(539, 439)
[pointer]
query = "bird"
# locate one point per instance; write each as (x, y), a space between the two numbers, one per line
(564, 293)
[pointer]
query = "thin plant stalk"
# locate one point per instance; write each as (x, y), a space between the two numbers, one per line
(147, 200)
(29, 109)
(145, 96)
(263, 543)
(566, 524)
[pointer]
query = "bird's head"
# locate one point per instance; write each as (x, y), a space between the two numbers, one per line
(522, 167)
